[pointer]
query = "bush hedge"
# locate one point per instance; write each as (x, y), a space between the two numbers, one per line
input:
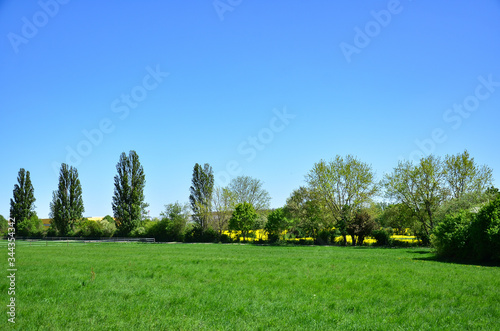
(466, 235)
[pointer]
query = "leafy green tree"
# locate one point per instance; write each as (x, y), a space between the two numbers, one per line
(249, 190)
(243, 219)
(107, 226)
(464, 176)
(451, 237)
(345, 185)
(223, 201)
(492, 193)
(174, 220)
(4, 225)
(470, 201)
(32, 226)
(485, 232)
(307, 213)
(421, 188)
(276, 224)
(361, 227)
(470, 234)
(66, 207)
(88, 228)
(109, 219)
(201, 194)
(22, 206)
(128, 199)
(433, 188)
(396, 216)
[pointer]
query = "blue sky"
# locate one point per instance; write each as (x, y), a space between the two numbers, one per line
(182, 82)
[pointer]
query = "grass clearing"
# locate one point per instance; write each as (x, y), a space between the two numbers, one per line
(217, 287)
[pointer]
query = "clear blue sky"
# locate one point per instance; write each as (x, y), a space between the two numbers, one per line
(183, 82)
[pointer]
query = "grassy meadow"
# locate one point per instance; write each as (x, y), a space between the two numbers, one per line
(115, 286)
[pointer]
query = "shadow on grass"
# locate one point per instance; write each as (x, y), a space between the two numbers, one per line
(435, 258)
(420, 251)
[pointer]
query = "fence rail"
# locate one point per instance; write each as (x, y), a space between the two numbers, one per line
(81, 240)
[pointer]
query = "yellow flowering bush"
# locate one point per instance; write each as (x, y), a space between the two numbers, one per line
(261, 235)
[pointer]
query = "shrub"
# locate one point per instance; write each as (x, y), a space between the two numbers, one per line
(172, 225)
(196, 234)
(95, 229)
(108, 227)
(4, 225)
(273, 238)
(451, 237)
(87, 228)
(303, 241)
(485, 232)
(424, 237)
(32, 226)
(109, 219)
(52, 231)
(153, 229)
(276, 224)
(224, 238)
(382, 236)
(327, 236)
(360, 227)
(210, 236)
(138, 232)
(193, 234)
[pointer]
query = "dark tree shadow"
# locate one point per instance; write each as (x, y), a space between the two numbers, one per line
(420, 251)
(435, 258)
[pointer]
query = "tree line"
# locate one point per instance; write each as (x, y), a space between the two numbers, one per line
(341, 197)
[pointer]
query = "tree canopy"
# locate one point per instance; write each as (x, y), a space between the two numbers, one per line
(67, 202)
(201, 194)
(464, 176)
(424, 187)
(243, 219)
(345, 184)
(22, 205)
(128, 199)
(222, 203)
(250, 190)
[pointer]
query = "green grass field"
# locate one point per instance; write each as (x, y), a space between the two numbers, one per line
(238, 287)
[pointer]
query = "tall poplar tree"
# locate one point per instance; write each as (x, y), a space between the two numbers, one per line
(22, 205)
(66, 207)
(128, 199)
(201, 194)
